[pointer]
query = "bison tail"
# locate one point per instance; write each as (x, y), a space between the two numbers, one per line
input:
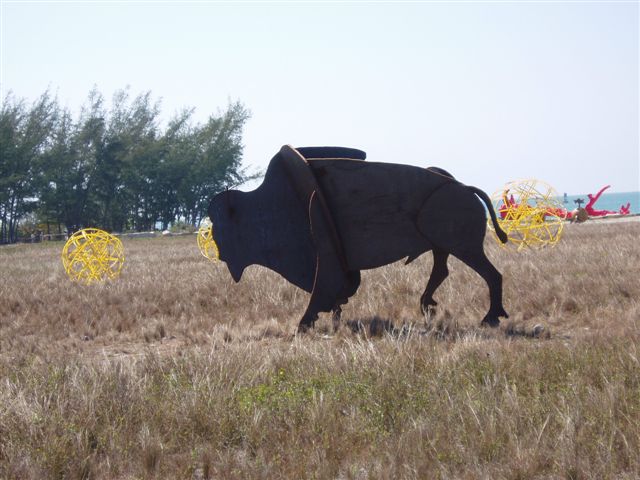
(487, 201)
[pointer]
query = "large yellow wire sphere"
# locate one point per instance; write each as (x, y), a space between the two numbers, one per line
(530, 214)
(206, 243)
(91, 255)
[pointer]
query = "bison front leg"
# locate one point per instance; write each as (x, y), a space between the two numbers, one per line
(324, 292)
(350, 288)
(438, 274)
(330, 281)
(335, 317)
(333, 283)
(479, 262)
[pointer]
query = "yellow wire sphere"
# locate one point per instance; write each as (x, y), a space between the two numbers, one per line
(92, 255)
(206, 243)
(530, 214)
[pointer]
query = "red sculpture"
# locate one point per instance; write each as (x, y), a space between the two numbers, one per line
(624, 209)
(592, 201)
(510, 203)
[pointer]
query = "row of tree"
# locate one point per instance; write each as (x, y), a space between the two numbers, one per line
(114, 168)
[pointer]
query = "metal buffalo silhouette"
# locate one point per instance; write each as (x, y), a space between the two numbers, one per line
(323, 214)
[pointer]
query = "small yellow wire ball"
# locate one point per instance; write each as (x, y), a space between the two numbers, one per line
(92, 255)
(530, 214)
(206, 243)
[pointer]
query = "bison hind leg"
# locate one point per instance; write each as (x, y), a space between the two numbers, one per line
(439, 273)
(479, 262)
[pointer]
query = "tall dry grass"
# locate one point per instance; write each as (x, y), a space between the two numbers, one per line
(174, 371)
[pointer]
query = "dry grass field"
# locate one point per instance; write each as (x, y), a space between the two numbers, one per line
(174, 371)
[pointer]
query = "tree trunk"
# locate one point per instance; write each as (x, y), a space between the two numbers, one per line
(13, 234)
(3, 227)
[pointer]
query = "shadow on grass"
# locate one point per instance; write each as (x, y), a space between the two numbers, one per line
(444, 328)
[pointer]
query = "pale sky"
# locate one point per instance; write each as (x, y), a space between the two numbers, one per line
(490, 91)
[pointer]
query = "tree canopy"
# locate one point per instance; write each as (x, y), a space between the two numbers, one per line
(113, 167)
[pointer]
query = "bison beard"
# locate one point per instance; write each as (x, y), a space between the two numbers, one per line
(323, 214)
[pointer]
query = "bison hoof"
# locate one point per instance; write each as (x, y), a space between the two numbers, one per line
(303, 328)
(492, 322)
(429, 308)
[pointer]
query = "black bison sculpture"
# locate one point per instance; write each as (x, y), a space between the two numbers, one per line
(323, 214)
